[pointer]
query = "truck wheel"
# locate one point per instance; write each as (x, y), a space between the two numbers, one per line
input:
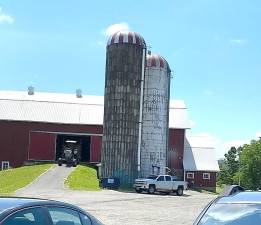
(179, 191)
(138, 190)
(152, 189)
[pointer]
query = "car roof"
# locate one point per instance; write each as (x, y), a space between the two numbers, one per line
(241, 197)
(9, 203)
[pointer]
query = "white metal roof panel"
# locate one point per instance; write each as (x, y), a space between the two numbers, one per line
(51, 108)
(67, 109)
(178, 116)
(198, 156)
(51, 97)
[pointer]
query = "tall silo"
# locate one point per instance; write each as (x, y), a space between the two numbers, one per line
(125, 67)
(155, 123)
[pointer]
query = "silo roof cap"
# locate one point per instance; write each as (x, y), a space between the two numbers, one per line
(157, 61)
(128, 37)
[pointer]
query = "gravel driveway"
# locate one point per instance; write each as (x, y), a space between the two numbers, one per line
(114, 207)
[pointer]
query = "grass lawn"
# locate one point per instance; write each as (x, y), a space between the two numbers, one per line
(14, 179)
(219, 189)
(83, 178)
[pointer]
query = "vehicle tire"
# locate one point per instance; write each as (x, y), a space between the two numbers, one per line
(60, 163)
(179, 191)
(74, 163)
(152, 189)
(138, 190)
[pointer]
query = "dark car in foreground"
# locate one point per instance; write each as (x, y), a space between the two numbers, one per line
(233, 207)
(29, 211)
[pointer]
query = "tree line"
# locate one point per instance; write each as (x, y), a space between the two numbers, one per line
(242, 166)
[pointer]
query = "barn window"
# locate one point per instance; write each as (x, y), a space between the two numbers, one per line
(206, 176)
(5, 165)
(190, 175)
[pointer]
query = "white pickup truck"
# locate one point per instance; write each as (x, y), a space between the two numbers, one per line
(160, 183)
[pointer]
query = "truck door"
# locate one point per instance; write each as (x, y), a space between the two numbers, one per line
(160, 183)
(168, 183)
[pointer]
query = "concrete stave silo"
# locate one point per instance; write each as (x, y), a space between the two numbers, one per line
(125, 64)
(155, 122)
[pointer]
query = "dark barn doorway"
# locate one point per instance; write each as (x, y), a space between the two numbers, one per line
(82, 143)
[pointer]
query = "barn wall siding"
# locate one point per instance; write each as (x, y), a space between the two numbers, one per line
(176, 150)
(14, 143)
(42, 146)
(96, 145)
(199, 182)
(14, 137)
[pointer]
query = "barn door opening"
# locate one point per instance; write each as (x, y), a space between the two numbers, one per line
(81, 143)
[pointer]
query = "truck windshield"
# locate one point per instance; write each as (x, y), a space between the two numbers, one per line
(152, 177)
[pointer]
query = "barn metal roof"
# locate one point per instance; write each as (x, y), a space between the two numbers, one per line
(199, 155)
(68, 109)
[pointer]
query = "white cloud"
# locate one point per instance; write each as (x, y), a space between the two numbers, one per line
(114, 28)
(234, 143)
(5, 18)
(192, 123)
(221, 146)
(238, 41)
(258, 134)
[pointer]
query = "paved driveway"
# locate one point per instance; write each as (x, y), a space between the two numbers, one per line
(52, 181)
(115, 208)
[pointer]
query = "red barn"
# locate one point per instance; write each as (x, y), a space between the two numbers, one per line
(200, 164)
(34, 126)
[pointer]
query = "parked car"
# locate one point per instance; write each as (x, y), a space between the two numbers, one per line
(233, 207)
(29, 211)
(160, 183)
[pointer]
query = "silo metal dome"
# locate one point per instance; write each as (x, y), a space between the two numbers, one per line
(157, 61)
(127, 37)
(155, 116)
(125, 64)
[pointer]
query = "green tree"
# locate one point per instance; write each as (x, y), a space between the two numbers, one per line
(223, 176)
(250, 165)
(230, 167)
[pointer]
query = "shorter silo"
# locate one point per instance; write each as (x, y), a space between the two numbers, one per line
(155, 122)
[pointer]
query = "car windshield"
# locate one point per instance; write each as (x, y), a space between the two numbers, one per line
(232, 214)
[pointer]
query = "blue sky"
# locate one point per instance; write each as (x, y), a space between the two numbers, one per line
(213, 48)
